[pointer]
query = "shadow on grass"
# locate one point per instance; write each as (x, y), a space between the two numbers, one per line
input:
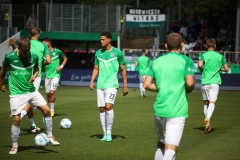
(203, 129)
(27, 131)
(38, 150)
(100, 136)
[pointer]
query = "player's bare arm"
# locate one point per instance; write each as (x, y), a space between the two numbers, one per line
(148, 84)
(48, 59)
(190, 83)
(36, 71)
(200, 65)
(225, 68)
(94, 75)
(124, 75)
(2, 75)
(136, 63)
(63, 64)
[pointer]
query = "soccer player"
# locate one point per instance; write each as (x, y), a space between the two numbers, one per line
(41, 50)
(174, 78)
(106, 66)
(143, 62)
(53, 73)
(23, 70)
(210, 64)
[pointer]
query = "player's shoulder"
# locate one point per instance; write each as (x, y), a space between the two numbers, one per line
(34, 55)
(11, 54)
(56, 50)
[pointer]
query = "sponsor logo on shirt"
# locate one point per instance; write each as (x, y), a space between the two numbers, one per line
(112, 54)
(15, 72)
(15, 61)
(30, 60)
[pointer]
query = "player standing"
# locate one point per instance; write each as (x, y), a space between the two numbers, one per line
(210, 64)
(23, 70)
(174, 78)
(106, 66)
(143, 62)
(53, 73)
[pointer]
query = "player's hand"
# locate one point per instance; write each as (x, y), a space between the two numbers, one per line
(3, 88)
(91, 86)
(32, 79)
(125, 90)
(59, 69)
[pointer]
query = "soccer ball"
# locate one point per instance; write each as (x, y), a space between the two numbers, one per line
(65, 123)
(41, 140)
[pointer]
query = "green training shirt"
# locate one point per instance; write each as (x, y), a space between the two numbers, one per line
(51, 69)
(41, 50)
(108, 63)
(169, 72)
(143, 62)
(20, 71)
(212, 63)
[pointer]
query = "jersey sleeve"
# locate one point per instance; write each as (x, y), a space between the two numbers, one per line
(5, 62)
(224, 60)
(201, 57)
(189, 70)
(96, 62)
(46, 50)
(150, 72)
(121, 58)
(60, 53)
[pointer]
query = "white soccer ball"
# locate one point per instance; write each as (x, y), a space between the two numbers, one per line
(41, 140)
(65, 123)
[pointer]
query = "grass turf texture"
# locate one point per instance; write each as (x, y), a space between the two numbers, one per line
(133, 131)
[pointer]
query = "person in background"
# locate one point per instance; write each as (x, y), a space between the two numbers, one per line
(143, 62)
(53, 73)
(210, 64)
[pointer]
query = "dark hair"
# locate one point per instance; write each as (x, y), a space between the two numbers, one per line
(34, 31)
(211, 43)
(174, 41)
(47, 39)
(24, 44)
(107, 34)
(143, 51)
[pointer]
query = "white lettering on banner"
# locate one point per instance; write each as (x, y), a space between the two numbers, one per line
(75, 77)
(145, 18)
(130, 67)
(144, 11)
(129, 76)
(86, 77)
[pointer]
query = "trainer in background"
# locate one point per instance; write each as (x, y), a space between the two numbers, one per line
(143, 62)
(53, 72)
(174, 78)
(106, 66)
(210, 64)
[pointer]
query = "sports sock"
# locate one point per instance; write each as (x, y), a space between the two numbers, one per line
(31, 121)
(48, 124)
(23, 113)
(159, 154)
(169, 154)
(205, 110)
(52, 106)
(110, 117)
(210, 110)
(15, 130)
(141, 89)
(103, 121)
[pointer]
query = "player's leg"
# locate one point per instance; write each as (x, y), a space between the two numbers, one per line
(110, 96)
(159, 124)
(101, 105)
(213, 94)
(38, 100)
(173, 135)
(17, 104)
(143, 89)
(51, 94)
(205, 95)
(34, 127)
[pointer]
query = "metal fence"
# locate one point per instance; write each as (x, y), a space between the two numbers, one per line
(7, 32)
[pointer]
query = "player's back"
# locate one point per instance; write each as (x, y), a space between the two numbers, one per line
(143, 62)
(37, 48)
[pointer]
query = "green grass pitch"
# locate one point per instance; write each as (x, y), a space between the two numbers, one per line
(133, 131)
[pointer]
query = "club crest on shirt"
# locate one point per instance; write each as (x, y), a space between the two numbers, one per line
(54, 53)
(30, 60)
(112, 54)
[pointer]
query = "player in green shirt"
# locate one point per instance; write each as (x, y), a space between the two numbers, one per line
(174, 78)
(143, 63)
(42, 51)
(106, 66)
(53, 73)
(210, 64)
(23, 70)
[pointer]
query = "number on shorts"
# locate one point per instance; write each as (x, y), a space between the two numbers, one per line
(54, 85)
(112, 96)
